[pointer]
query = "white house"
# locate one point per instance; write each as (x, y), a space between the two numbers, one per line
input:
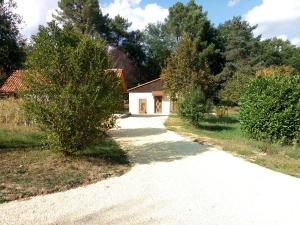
(150, 98)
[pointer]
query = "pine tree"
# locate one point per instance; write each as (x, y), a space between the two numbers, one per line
(84, 15)
(118, 30)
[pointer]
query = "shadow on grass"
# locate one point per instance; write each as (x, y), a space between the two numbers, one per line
(16, 140)
(213, 123)
(211, 127)
(223, 120)
(105, 149)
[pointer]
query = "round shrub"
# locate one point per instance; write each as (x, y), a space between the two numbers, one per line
(70, 92)
(270, 108)
(193, 106)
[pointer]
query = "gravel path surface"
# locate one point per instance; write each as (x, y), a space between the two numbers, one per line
(174, 182)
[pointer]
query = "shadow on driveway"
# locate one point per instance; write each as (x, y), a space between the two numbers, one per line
(139, 132)
(147, 145)
(165, 151)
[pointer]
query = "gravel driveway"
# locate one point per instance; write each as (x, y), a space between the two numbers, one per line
(174, 182)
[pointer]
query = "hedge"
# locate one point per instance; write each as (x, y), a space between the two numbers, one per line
(270, 108)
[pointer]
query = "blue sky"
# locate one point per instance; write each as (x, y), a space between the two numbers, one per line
(218, 10)
(275, 18)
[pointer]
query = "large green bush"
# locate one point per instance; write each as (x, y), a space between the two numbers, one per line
(193, 106)
(270, 108)
(69, 91)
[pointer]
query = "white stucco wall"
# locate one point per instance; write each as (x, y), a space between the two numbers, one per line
(165, 106)
(134, 103)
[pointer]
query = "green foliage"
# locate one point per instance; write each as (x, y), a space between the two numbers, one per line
(270, 108)
(232, 91)
(69, 92)
(193, 106)
(118, 27)
(21, 138)
(240, 45)
(186, 70)
(190, 19)
(132, 46)
(11, 50)
(158, 47)
(196, 60)
(85, 16)
(241, 53)
(278, 52)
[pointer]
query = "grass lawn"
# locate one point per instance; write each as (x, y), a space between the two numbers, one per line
(226, 133)
(27, 169)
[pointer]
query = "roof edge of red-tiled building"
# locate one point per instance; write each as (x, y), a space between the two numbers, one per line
(12, 84)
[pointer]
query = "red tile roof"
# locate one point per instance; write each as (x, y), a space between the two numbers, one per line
(12, 84)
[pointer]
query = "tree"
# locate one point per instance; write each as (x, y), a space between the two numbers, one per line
(69, 91)
(190, 19)
(242, 54)
(231, 93)
(186, 69)
(277, 52)
(241, 48)
(193, 106)
(118, 30)
(196, 61)
(158, 47)
(84, 15)
(11, 49)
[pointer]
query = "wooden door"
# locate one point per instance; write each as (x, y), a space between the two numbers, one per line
(143, 106)
(158, 104)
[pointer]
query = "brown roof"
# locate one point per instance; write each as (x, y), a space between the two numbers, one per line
(12, 84)
(151, 86)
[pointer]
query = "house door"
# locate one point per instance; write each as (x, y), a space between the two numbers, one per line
(158, 104)
(143, 106)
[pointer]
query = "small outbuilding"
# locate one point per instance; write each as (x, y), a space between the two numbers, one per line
(150, 98)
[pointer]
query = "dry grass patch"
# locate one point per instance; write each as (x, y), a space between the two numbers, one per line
(27, 169)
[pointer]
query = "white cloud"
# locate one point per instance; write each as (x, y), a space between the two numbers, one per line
(139, 16)
(35, 13)
(232, 3)
(39, 12)
(276, 18)
(282, 37)
(296, 41)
